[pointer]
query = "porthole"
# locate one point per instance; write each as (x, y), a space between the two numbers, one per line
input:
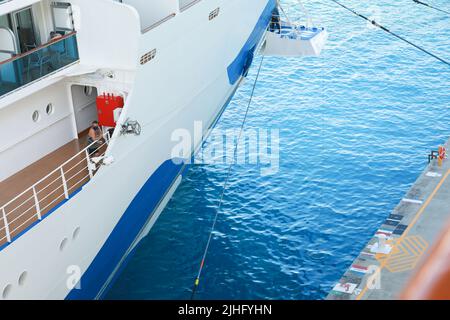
(88, 91)
(49, 109)
(63, 244)
(36, 116)
(75, 234)
(23, 278)
(6, 291)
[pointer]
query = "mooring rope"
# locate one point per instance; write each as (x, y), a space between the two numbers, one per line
(376, 24)
(213, 227)
(430, 6)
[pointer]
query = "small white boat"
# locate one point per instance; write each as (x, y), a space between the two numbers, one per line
(295, 41)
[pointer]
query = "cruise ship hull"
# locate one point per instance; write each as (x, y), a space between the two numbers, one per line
(192, 78)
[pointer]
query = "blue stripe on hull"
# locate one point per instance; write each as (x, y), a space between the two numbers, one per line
(148, 198)
(238, 67)
(126, 231)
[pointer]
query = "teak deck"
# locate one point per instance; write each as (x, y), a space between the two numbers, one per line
(22, 212)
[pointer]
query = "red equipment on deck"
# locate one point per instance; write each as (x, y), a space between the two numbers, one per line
(106, 104)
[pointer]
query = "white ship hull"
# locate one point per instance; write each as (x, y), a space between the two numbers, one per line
(196, 70)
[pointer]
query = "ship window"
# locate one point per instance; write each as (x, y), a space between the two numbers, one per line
(22, 278)
(75, 234)
(6, 291)
(63, 244)
(36, 116)
(49, 109)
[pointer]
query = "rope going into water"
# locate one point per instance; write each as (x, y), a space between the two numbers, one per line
(430, 6)
(376, 24)
(213, 227)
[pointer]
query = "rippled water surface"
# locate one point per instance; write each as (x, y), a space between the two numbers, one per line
(355, 127)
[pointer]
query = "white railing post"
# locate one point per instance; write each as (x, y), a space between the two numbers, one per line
(91, 174)
(5, 221)
(66, 191)
(91, 167)
(36, 203)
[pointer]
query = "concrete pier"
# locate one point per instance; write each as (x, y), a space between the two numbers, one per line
(386, 264)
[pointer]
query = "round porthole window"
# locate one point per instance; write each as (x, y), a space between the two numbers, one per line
(22, 278)
(49, 109)
(75, 234)
(36, 116)
(63, 244)
(6, 291)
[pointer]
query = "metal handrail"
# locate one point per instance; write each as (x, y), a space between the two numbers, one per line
(20, 205)
(48, 195)
(57, 198)
(48, 44)
(33, 189)
(18, 217)
(52, 202)
(105, 136)
(22, 224)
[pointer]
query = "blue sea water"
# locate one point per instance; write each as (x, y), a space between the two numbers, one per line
(356, 125)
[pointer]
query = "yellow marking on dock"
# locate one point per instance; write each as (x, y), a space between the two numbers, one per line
(419, 213)
(405, 254)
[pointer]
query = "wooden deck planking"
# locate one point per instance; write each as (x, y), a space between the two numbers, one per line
(21, 213)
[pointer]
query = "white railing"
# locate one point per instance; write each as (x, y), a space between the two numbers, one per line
(36, 201)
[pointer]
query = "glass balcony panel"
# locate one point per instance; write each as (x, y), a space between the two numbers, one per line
(37, 63)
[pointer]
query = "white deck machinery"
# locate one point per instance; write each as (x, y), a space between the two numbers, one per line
(294, 39)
